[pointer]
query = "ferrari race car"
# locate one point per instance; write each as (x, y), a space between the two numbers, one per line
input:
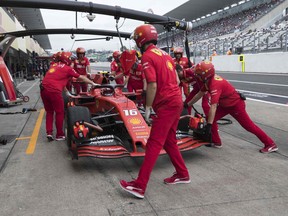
(106, 123)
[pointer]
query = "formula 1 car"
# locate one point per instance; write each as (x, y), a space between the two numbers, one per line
(105, 123)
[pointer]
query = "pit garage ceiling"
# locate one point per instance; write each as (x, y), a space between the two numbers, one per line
(32, 19)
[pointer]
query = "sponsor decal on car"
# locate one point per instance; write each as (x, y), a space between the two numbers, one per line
(135, 121)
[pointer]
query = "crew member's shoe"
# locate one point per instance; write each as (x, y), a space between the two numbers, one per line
(269, 148)
(132, 188)
(60, 138)
(50, 137)
(176, 179)
(214, 145)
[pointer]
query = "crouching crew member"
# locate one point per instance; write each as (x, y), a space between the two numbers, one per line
(226, 100)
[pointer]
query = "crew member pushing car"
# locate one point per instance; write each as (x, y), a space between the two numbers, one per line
(52, 86)
(226, 100)
(164, 96)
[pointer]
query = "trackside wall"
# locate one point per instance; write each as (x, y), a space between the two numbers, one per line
(266, 62)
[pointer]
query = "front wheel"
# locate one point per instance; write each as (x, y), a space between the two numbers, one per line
(74, 114)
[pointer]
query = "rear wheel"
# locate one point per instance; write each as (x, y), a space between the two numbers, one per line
(74, 114)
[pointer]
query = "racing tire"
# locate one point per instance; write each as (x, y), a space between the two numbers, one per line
(183, 124)
(75, 113)
(65, 99)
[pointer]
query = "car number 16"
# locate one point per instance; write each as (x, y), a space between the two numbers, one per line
(130, 112)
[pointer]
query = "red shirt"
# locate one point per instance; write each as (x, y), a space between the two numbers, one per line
(183, 61)
(137, 74)
(159, 67)
(222, 92)
(57, 77)
(81, 65)
(115, 67)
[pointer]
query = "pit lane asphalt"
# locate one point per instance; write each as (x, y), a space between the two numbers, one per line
(234, 180)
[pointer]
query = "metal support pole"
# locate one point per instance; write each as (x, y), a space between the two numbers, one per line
(286, 40)
(76, 19)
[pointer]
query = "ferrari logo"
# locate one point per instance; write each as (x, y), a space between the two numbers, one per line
(157, 52)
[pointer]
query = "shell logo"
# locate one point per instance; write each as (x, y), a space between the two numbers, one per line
(169, 65)
(135, 121)
(52, 70)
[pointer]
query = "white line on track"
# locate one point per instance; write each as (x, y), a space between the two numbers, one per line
(268, 102)
(255, 73)
(260, 93)
(259, 83)
(263, 101)
(30, 88)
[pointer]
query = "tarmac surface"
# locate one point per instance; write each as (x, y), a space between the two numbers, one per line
(40, 178)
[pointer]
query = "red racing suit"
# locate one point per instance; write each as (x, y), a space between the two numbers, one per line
(229, 102)
(136, 77)
(114, 67)
(80, 66)
(159, 67)
(53, 84)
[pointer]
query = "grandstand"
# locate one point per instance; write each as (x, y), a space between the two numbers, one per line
(246, 27)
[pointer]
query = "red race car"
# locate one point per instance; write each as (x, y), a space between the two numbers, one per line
(105, 123)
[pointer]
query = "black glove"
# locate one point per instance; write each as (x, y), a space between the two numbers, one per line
(208, 129)
(185, 105)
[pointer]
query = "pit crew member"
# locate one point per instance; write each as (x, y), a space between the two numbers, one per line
(115, 68)
(164, 96)
(226, 100)
(51, 93)
(183, 62)
(82, 66)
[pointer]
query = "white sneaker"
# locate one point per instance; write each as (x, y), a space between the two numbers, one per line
(60, 138)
